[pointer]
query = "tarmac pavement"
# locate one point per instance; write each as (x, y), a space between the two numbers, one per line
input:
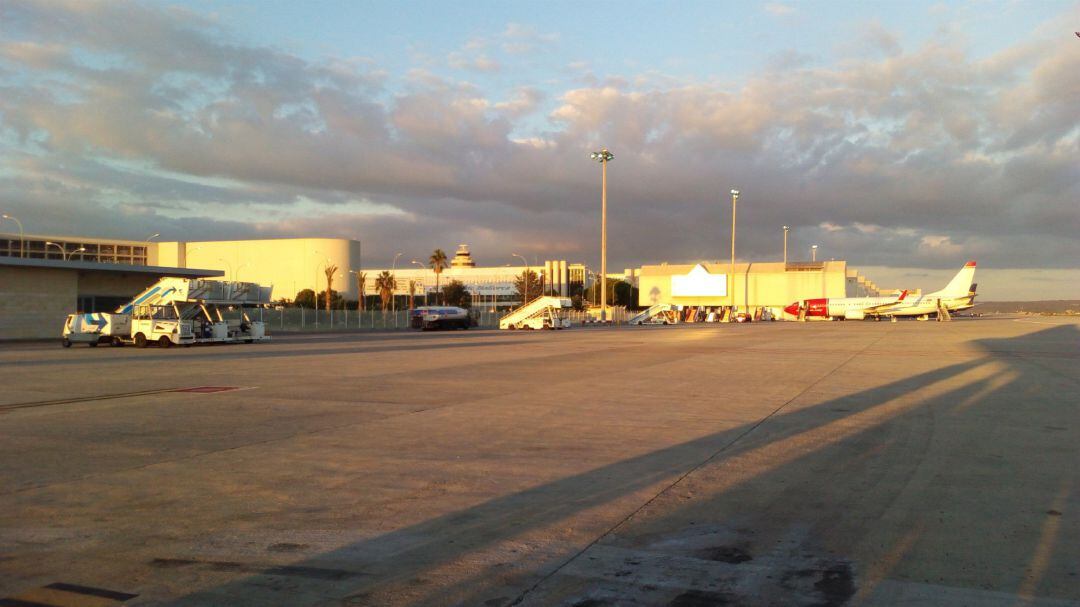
(848, 463)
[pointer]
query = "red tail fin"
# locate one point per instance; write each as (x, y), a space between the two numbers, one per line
(902, 295)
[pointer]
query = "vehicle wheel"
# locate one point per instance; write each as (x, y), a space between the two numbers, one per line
(164, 342)
(66, 343)
(140, 340)
(117, 342)
(92, 344)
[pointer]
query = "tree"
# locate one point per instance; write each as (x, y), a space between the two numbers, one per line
(437, 261)
(529, 285)
(329, 270)
(305, 298)
(361, 280)
(624, 294)
(336, 301)
(385, 284)
(412, 294)
(454, 293)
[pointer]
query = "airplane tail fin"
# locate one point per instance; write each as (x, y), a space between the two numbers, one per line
(960, 285)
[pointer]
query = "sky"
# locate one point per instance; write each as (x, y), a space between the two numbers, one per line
(904, 137)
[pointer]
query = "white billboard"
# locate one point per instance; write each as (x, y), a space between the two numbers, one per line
(699, 283)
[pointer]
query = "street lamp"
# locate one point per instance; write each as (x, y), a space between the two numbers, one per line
(603, 157)
(422, 285)
(813, 253)
(734, 199)
(63, 251)
(82, 253)
(22, 239)
(393, 276)
(785, 244)
(524, 279)
(236, 277)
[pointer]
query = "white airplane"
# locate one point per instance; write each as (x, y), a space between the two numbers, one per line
(958, 295)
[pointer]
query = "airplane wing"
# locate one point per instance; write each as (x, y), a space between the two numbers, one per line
(879, 307)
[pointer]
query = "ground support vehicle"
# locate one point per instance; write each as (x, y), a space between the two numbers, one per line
(179, 311)
(94, 329)
(439, 317)
(540, 313)
(659, 314)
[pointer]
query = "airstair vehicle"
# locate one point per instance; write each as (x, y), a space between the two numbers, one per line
(659, 314)
(176, 311)
(540, 313)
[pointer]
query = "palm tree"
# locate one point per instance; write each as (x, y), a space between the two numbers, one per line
(438, 264)
(361, 280)
(385, 285)
(412, 294)
(329, 283)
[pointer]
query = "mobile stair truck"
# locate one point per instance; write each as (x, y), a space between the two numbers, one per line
(177, 311)
(540, 313)
(659, 314)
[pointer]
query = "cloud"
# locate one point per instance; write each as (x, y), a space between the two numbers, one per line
(779, 10)
(125, 119)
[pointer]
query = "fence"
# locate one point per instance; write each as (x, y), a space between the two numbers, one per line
(306, 319)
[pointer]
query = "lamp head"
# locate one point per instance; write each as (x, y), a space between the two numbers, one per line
(735, 193)
(50, 242)
(786, 228)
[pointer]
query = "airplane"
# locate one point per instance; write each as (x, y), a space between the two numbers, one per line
(958, 295)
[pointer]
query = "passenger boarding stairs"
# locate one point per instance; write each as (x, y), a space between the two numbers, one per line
(174, 290)
(540, 313)
(653, 312)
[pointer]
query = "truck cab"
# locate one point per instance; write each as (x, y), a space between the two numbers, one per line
(161, 325)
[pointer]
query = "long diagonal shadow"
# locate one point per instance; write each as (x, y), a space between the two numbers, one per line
(385, 563)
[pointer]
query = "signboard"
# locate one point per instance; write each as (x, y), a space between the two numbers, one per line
(699, 283)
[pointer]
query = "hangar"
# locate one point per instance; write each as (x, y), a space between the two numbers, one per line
(753, 287)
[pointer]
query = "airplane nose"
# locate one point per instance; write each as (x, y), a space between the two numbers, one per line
(793, 309)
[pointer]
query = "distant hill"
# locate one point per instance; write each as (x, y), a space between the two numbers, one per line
(1053, 306)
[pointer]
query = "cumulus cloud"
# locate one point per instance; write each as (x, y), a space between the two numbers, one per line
(125, 119)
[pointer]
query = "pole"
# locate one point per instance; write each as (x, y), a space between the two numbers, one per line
(603, 239)
(734, 200)
(785, 245)
(22, 239)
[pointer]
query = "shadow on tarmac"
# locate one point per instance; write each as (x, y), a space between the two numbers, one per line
(823, 505)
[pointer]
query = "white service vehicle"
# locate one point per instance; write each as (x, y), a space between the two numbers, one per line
(177, 312)
(439, 317)
(94, 329)
(540, 313)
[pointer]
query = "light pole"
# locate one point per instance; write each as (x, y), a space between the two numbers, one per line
(603, 157)
(813, 253)
(63, 252)
(785, 244)
(734, 200)
(22, 239)
(236, 277)
(524, 279)
(393, 276)
(422, 285)
(82, 253)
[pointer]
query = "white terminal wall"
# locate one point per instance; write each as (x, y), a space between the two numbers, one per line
(288, 264)
(754, 285)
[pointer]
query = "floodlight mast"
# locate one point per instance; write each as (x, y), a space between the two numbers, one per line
(603, 157)
(731, 271)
